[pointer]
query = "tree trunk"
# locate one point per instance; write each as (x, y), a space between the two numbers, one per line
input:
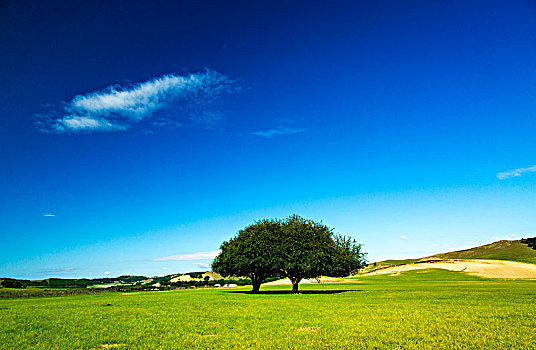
(295, 284)
(256, 286)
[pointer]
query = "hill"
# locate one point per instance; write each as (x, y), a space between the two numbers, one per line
(388, 263)
(107, 281)
(476, 267)
(501, 259)
(69, 283)
(12, 288)
(523, 250)
(500, 250)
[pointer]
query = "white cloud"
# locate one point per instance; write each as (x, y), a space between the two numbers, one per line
(282, 130)
(165, 122)
(49, 215)
(87, 123)
(119, 107)
(404, 237)
(62, 271)
(187, 257)
(511, 236)
(516, 172)
(106, 272)
(200, 264)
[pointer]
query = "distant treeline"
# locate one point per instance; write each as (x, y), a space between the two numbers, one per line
(167, 284)
(86, 282)
(67, 283)
(531, 242)
(60, 286)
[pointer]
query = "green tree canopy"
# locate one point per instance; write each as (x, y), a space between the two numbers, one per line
(531, 242)
(309, 249)
(296, 248)
(251, 253)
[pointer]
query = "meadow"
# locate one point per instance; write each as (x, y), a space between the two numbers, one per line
(426, 309)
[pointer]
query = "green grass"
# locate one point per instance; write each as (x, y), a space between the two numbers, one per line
(398, 262)
(426, 309)
(30, 292)
(388, 263)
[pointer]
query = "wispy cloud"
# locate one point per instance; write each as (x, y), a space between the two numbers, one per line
(200, 264)
(49, 215)
(281, 130)
(404, 237)
(119, 107)
(189, 257)
(516, 172)
(59, 271)
(166, 122)
(106, 272)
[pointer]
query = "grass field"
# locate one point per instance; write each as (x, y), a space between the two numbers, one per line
(30, 292)
(427, 309)
(388, 263)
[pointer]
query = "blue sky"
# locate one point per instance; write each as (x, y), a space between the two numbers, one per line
(135, 139)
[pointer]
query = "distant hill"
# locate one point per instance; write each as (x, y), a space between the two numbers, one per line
(86, 282)
(501, 250)
(388, 263)
(127, 282)
(523, 250)
(70, 283)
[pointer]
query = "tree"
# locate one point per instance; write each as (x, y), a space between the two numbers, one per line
(531, 242)
(11, 283)
(296, 248)
(309, 249)
(348, 256)
(250, 253)
(195, 275)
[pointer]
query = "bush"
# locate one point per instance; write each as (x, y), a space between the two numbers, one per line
(11, 283)
(531, 242)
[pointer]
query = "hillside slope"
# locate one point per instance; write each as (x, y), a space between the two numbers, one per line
(500, 250)
(481, 268)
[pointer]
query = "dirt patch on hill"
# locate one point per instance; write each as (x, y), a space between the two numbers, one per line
(482, 268)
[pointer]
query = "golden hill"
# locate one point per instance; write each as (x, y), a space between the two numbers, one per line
(500, 250)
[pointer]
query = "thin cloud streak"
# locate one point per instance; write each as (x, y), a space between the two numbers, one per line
(117, 107)
(277, 132)
(189, 257)
(49, 215)
(166, 122)
(61, 271)
(200, 264)
(516, 172)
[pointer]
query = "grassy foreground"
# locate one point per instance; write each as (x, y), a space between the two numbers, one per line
(427, 309)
